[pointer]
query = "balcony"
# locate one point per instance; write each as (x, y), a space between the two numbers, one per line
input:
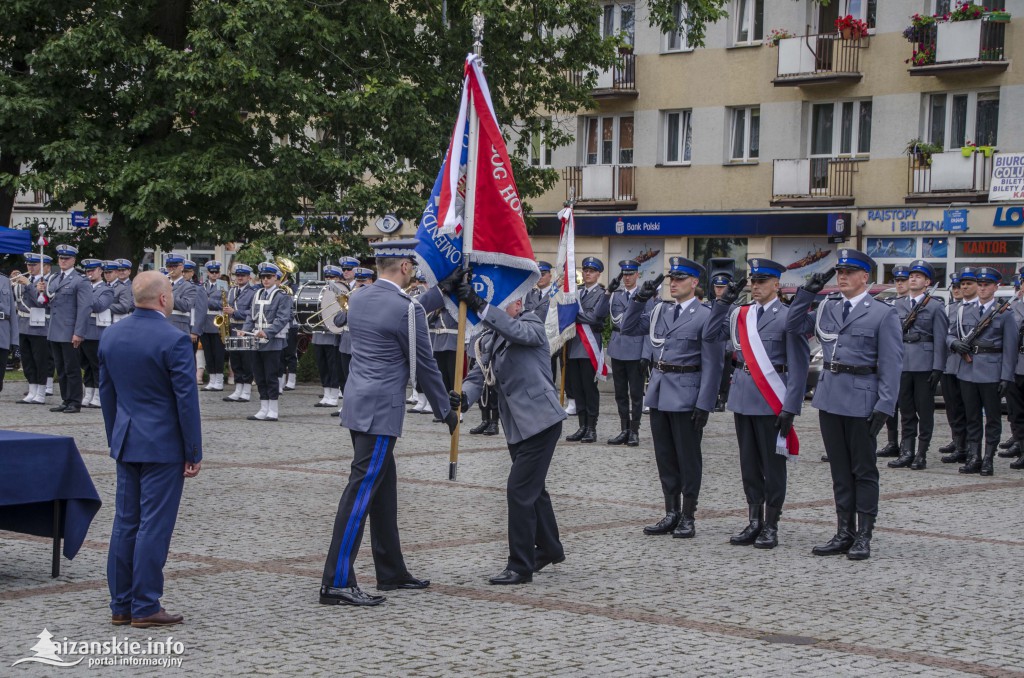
(601, 187)
(618, 82)
(813, 182)
(948, 177)
(977, 46)
(824, 59)
(31, 198)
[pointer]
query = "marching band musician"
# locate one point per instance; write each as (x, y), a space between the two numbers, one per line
(239, 302)
(766, 393)
(269, 317)
(68, 296)
(924, 358)
(124, 272)
(581, 371)
(8, 324)
(986, 371)
(123, 303)
(862, 350)
(325, 345)
(348, 267)
(290, 355)
(213, 345)
(197, 315)
(625, 353)
(33, 321)
(683, 387)
(100, 318)
(360, 278)
(185, 294)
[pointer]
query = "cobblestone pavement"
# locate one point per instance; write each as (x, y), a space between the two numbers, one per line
(940, 596)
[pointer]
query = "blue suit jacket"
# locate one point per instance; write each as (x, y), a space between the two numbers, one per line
(148, 391)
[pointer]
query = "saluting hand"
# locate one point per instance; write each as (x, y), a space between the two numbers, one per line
(614, 284)
(648, 290)
(732, 292)
(817, 281)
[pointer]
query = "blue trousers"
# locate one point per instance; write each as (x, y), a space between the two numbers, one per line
(146, 508)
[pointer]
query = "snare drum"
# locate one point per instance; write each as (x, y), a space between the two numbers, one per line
(307, 303)
(244, 343)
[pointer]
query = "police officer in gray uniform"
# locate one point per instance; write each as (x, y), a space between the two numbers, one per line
(33, 321)
(444, 337)
(269, 318)
(580, 371)
(124, 302)
(184, 292)
(956, 412)
(683, 387)
(239, 302)
(538, 300)
(986, 372)
(516, 359)
(361, 277)
(862, 353)
(8, 324)
(925, 326)
(901, 279)
(68, 295)
(758, 426)
(197, 316)
(625, 353)
(213, 345)
(100, 318)
(385, 325)
(1014, 397)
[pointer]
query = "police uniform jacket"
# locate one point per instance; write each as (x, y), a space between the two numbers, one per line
(924, 342)
(687, 341)
(987, 368)
(9, 323)
(213, 306)
(870, 337)
(953, 358)
(783, 349)
(593, 310)
(1018, 314)
(27, 298)
(622, 346)
(379, 373)
(516, 352)
(102, 298)
(185, 294)
(271, 312)
(124, 302)
(240, 299)
(70, 303)
(199, 310)
(538, 300)
(444, 331)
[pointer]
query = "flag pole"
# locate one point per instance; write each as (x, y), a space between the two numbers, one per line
(467, 245)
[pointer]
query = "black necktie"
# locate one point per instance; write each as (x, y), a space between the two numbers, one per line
(675, 314)
(913, 304)
(846, 309)
(760, 312)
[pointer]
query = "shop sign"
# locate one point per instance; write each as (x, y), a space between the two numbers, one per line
(732, 225)
(907, 221)
(1008, 216)
(985, 248)
(955, 220)
(1007, 177)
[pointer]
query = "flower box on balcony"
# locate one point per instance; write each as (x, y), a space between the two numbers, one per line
(998, 17)
(958, 41)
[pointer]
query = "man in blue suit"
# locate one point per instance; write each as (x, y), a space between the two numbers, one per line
(151, 413)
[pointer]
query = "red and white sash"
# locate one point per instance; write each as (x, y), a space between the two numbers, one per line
(593, 348)
(768, 381)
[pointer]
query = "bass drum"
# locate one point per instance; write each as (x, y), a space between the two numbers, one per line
(307, 304)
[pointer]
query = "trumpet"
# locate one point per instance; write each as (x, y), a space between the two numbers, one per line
(18, 278)
(324, 316)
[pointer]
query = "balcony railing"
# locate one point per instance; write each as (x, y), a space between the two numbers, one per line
(960, 45)
(35, 198)
(815, 181)
(610, 185)
(818, 60)
(618, 81)
(948, 175)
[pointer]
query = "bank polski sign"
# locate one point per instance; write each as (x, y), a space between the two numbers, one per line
(1007, 177)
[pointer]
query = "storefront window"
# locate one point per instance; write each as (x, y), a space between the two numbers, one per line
(878, 248)
(802, 257)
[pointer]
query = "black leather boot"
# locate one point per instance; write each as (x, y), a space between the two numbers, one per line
(623, 434)
(958, 455)
(634, 435)
(986, 461)
(477, 430)
(686, 529)
(1014, 450)
(769, 537)
(492, 427)
(1006, 443)
(590, 436)
(861, 549)
(890, 450)
(948, 448)
(906, 454)
(842, 540)
(1018, 465)
(973, 464)
(576, 437)
(669, 522)
(747, 536)
(920, 459)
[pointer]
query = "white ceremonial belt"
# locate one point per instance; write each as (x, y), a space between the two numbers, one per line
(213, 312)
(120, 316)
(444, 331)
(185, 313)
(23, 314)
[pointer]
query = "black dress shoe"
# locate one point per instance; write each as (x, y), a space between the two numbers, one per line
(576, 437)
(409, 582)
(59, 408)
(508, 577)
(541, 560)
(352, 595)
(665, 525)
(633, 440)
(619, 439)
(72, 409)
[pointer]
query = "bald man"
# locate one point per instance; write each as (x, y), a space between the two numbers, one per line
(151, 412)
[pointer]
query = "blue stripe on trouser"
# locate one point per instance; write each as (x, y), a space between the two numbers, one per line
(355, 518)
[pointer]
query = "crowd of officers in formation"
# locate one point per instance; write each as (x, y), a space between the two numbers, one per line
(677, 360)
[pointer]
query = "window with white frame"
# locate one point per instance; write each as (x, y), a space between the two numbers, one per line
(947, 6)
(865, 10)
(539, 152)
(749, 21)
(619, 19)
(745, 137)
(609, 140)
(678, 137)
(676, 40)
(954, 118)
(840, 128)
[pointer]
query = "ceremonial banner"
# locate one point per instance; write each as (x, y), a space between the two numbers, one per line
(560, 324)
(496, 242)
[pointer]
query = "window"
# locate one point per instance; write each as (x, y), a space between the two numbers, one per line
(539, 153)
(749, 20)
(609, 141)
(619, 20)
(865, 10)
(678, 137)
(956, 118)
(746, 134)
(676, 40)
(850, 134)
(946, 6)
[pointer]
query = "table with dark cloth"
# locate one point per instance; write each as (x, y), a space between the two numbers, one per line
(45, 490)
